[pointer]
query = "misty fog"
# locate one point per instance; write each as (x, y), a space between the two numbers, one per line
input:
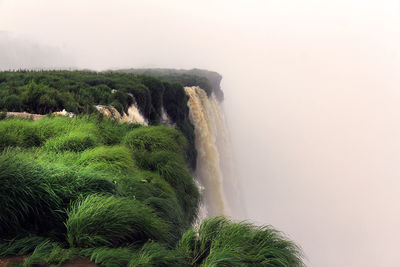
(312, 99)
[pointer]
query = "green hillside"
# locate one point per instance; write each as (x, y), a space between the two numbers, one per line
(117, 194)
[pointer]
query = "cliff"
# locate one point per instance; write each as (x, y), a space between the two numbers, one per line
(104, 186)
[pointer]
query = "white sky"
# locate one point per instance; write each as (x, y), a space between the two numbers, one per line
(312, 97)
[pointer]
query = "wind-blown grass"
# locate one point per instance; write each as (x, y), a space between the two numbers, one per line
(27, 201)
(49, 252)
(113, 159)
(109, 257)
(111, 221)
(116, 194)
(153, 254)
(171, 166)
(219, 242)
(156, 138)
(20, 246)
(74, 141)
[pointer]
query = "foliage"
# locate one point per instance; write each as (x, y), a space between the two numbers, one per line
(76, 141)
(109, 257)
(110, 221)
(219, 242)
(43, 92)
(111, 159)
(171, 167)
(27, 201)
(118, 194)
(156, 138)
(20, 246)
(51, 253)
(153, 254)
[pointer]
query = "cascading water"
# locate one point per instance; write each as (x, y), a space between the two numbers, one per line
(211, 143)
(133, 115)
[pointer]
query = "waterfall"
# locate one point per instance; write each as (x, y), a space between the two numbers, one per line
(210, 139)
(133, 115)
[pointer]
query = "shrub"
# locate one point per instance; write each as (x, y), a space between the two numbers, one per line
(3, 115)
(109, 221)
(12, 103)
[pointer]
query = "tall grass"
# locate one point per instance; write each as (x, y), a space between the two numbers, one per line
(74, 141)
(18, 132)
(219, 242)
(113, 159)
(119, 194)
(155, 138)
(20, 246)
(27, 133)
(52, 253)
(112, 131)
(172, 168)
(27, 200)
(111, 221)
(153, 254)
(109, 257)
(71, 184)
(145, 184)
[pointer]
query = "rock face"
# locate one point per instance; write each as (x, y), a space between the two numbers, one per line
(109, 112)
(24, 115)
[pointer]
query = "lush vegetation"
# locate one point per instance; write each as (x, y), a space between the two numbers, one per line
(207, 80)
(43, 92)
(114, 193)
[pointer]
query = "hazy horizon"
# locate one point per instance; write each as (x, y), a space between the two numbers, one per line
(312, 99)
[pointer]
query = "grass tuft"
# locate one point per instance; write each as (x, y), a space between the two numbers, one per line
(219, 242)
(155, 138)
(27, 201)
(111, 221)
(109, 257)
(153, 254)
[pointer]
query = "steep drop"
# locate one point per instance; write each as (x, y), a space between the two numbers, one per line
(207, 119)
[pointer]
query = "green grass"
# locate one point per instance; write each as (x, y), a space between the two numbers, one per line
(172, 168)
(27, 200)
(117, 194)
(153, 254)
(111, 221)
(74, 141)
(219, 242)
(112, 159)
(156, 138)
(52, 253)
(109, 257)
(20, 246)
